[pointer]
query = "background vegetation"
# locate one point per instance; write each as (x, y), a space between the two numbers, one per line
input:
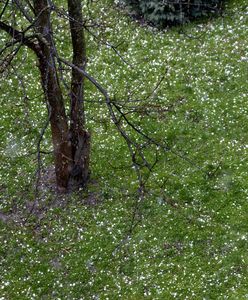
(163, 13)
(189, 240)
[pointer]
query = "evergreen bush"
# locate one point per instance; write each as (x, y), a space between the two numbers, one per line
(163, 13)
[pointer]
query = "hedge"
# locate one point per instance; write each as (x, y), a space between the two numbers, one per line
(163, 13)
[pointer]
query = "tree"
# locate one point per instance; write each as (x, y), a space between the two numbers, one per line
(71, 141)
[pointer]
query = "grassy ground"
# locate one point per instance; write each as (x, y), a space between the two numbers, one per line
(191, 239)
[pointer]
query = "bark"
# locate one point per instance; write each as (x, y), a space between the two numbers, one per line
(80, 138)
(52, 90)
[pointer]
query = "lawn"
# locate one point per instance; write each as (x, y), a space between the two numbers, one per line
(187, 236)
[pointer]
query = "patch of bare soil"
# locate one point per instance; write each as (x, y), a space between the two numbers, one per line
(47, 197)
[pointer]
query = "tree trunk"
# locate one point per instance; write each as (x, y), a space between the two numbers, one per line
(53, 94)
(71, 144)
(80, 138)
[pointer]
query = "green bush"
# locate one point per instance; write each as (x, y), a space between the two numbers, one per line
(163, 13)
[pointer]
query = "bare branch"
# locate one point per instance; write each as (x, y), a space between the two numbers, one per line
(110, 105)
(38, 170)
(23, 10)
(4, 8)
(18, 36)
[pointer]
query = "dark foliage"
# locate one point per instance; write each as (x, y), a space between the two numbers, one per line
(163, 13)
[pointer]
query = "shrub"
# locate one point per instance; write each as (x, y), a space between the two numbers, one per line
(163, 13)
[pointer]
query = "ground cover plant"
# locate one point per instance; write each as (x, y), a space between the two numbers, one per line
(187, 239)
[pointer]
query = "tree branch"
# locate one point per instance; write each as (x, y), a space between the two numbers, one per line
(23, 10)
(4, 8)
(18, 36)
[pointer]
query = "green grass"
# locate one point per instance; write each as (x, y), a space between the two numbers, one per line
(192, 240)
